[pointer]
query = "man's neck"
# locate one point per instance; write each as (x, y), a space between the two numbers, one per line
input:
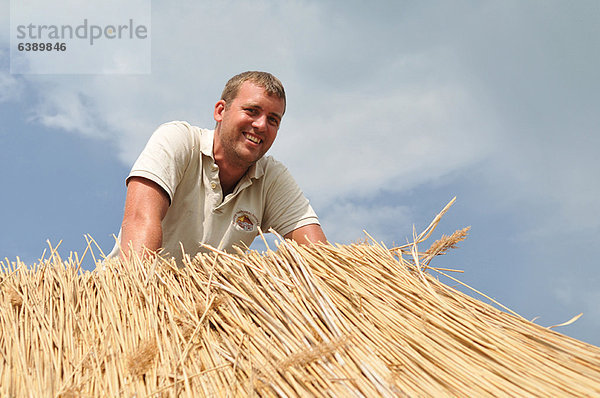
(230, 173)
(229, 176)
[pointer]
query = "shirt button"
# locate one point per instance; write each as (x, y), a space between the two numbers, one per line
(213, 185)
(215, 167)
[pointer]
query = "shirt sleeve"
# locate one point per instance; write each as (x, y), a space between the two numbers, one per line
(286, 207)
(166, 156)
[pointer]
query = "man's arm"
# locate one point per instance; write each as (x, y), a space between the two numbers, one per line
(307, 234)
(146, 205)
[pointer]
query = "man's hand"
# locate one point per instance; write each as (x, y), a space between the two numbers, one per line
(307, 234)
(145, 207)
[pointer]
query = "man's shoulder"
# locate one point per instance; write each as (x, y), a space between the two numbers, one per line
(271, 169)
(269, 164)
(180, 134)
(183, 126)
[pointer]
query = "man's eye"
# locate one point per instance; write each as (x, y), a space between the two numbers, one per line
(251, 111)
(274, 121)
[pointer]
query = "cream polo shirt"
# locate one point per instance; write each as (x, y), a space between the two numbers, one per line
(179, 158)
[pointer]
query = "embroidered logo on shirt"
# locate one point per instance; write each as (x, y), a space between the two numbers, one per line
(245, 220)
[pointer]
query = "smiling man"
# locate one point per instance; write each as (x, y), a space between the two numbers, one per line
(192, 185)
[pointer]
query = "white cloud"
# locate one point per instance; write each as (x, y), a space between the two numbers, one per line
(360, 143)
(4, 21)
(10, 87)
(67, 108)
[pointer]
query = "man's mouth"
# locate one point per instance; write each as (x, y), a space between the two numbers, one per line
(252, 138)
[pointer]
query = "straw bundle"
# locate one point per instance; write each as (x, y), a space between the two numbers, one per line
(357, 320)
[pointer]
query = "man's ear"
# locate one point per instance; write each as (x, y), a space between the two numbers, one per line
(219, 109)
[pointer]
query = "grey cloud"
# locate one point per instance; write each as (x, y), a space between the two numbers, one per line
(10, 88)
(345, 222)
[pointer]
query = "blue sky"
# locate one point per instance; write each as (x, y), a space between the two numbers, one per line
(393, 109)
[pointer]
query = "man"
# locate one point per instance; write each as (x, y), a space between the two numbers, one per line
(192, 185)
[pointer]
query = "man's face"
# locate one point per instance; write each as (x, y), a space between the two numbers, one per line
(247, 125)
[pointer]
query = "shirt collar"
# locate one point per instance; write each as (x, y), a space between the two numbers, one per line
(257, 170)
(206, 143)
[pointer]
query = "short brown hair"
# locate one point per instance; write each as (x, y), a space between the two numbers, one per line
(270, 83)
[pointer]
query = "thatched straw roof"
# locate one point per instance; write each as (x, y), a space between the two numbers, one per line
(357, 320)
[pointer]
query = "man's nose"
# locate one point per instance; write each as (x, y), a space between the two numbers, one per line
(260, 123)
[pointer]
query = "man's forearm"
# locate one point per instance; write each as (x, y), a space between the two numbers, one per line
(137, 235)
(307, 234)
(146, 205)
